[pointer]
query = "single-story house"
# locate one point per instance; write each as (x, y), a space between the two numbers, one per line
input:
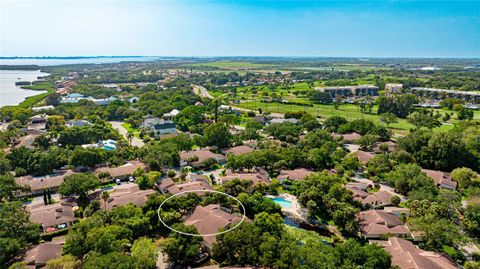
(376, 223)
(78, 123)
(126, 194)
(39, 255)
(377, 199)
(198, 158)
(348, 137)
(52, 217)
(261, 119)
(406, 255)
(167, 186)
(257, 176)
(38, 184)
(442, 180)
(238, 150)
(283, 120)
(363, 156)
(295, 174)
(121, 171)
(209, 220)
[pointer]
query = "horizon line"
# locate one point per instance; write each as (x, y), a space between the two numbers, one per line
(233, 56)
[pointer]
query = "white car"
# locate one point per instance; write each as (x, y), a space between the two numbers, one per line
(118, 181)
(131, 179)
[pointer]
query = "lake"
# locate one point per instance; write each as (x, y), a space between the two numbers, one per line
(10, 94)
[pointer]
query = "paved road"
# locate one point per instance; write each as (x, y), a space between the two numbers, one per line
(201, 91)
(383, 187)
(118, 125)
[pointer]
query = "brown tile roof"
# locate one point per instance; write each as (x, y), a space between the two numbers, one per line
(363, 156)
(41, 183)
(296, 174)
(257, 177)
(127, 194)
(209, 219)
(203, 155)
(441, 178)
(350, 137)
(358, 194)
(407, 256)
(190, 186)
(39, 255)
(195, 177)
(375, 223)
(239, 150)
(375, 198)
(126, 169)
(51, 215)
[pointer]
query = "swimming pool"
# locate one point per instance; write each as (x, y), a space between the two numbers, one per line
(282, 202)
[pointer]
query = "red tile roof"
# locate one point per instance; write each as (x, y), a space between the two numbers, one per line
(408, 256)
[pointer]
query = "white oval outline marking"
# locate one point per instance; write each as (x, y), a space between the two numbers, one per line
(202, 235)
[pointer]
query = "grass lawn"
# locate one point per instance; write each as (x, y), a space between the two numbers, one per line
(231, 64)
(349, 111)
(129, 128)
(35, 99)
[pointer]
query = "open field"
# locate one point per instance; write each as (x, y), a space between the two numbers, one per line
(232, 65)
(349, 111)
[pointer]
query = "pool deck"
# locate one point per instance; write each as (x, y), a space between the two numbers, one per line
(296, 211)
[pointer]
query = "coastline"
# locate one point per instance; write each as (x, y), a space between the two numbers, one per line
(23, 96)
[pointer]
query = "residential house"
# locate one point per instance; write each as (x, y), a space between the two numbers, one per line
(397, 211)
(200, 158)
(158, 126)
(257, 176)
(167, 186)
(38, 184)
(121, 171)
(41, 108)
(363, 156)
(261, 119)
(442, 180)
(238, 150)
(52, 217)
(377, 199)
(73, 98)
(209, 220)
(38, 123)
(39, 255)
(294, 175)
(124, 195)
(375, 224)
(406, 255)
(283, 120)
(78, 123)
(348, 137)
(170, 115)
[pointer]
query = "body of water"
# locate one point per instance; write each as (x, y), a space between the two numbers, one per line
(10, 94)
(66, 61)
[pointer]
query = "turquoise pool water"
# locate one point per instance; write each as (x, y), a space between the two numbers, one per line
(282, 202)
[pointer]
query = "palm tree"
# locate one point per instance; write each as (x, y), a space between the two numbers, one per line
(105, 196)
(129, 138)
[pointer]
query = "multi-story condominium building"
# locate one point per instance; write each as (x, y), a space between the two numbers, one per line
(439, 94)
(350, 91)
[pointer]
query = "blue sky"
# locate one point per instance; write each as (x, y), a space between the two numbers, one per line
(240, 28)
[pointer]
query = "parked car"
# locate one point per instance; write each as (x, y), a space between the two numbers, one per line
(131, 179)
(118, 181)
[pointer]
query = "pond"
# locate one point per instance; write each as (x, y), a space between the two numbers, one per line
(306, 226)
